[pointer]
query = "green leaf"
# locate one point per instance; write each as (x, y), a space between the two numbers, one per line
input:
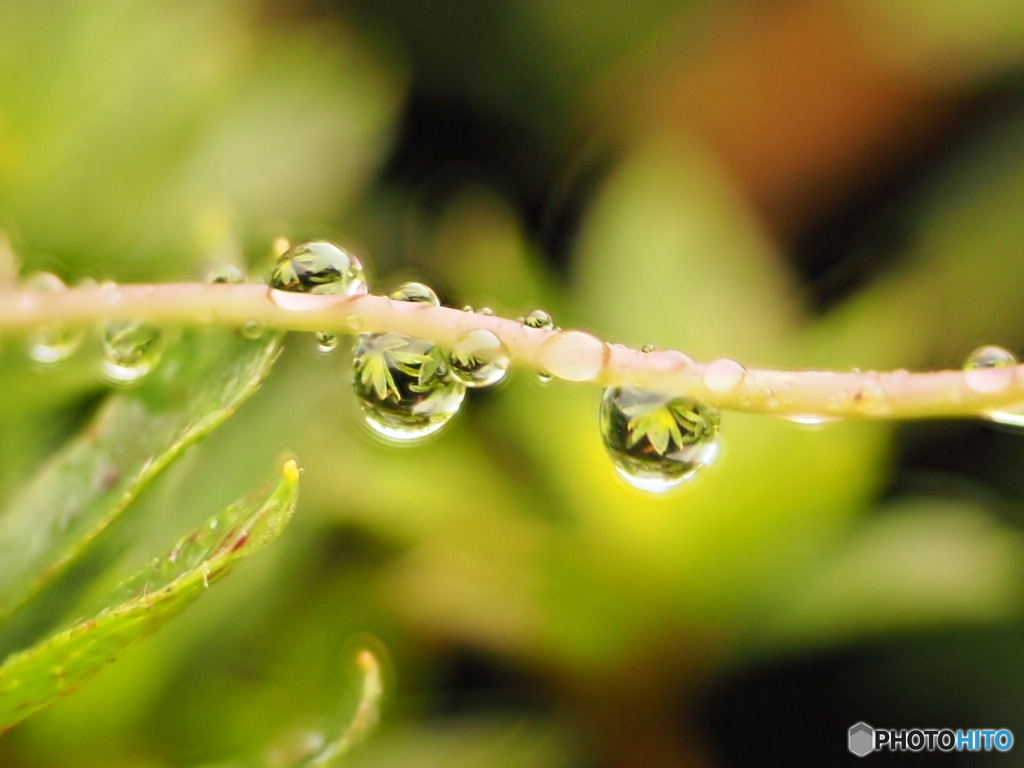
(86, 486)
(344, 731)
(33, 678)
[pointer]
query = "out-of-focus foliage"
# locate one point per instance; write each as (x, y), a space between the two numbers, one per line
(32, 678)
(84, 489)
(538, 612)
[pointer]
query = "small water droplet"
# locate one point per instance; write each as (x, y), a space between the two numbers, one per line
(418, 293)
(51, 344)
(131, 349)
(253, 329)
(657, 442)
(647, 348)
(227, 273)
(992, 369)
(467, 307)
(485, 311)
(544, 378)
(327, 342)
(723, 375)
(479, 359)
(989, 369)
(403, 386)
(539, 319)
(320, 268)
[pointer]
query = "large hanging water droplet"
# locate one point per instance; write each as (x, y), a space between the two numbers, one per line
(479, 359)
(539, 319)
(657, 442)
(418, 293)
(403, 386)
(131, 349)
(51, 344)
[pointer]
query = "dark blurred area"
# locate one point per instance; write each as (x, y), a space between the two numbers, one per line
(792, 183)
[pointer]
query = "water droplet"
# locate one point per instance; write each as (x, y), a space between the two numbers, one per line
(992, 369)
(544, 378)
(485, 311)
(227, 273)
(723, 375)
(320, 268)
(51, 344)
(327, 342)
(418, 293)
(479, 359)
(539, 319)
(647, 348)
(467, 308)
(989, 369)
(131, 349)
(573, 355)
(656, 442)
(253, 329)
(403, 386)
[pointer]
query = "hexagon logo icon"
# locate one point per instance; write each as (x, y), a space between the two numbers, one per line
(862, 739)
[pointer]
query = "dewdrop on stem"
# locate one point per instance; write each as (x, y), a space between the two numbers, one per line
(657, 442)
(403, 383)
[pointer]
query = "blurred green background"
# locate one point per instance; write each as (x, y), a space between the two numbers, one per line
(830, 183)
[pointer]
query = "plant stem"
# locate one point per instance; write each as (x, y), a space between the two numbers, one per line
(570, 355)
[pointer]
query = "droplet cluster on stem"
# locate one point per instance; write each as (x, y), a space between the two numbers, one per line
(410, 387)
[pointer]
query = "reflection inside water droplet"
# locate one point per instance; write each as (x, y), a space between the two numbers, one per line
(654, 441)
(253, 329)
(538, 318)
(991, 369)
(320, 268)
(404, 387)
(327, 342)
(418, 293)
(51, 344)
(227, 273)
(479, 359)
(131, 349)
